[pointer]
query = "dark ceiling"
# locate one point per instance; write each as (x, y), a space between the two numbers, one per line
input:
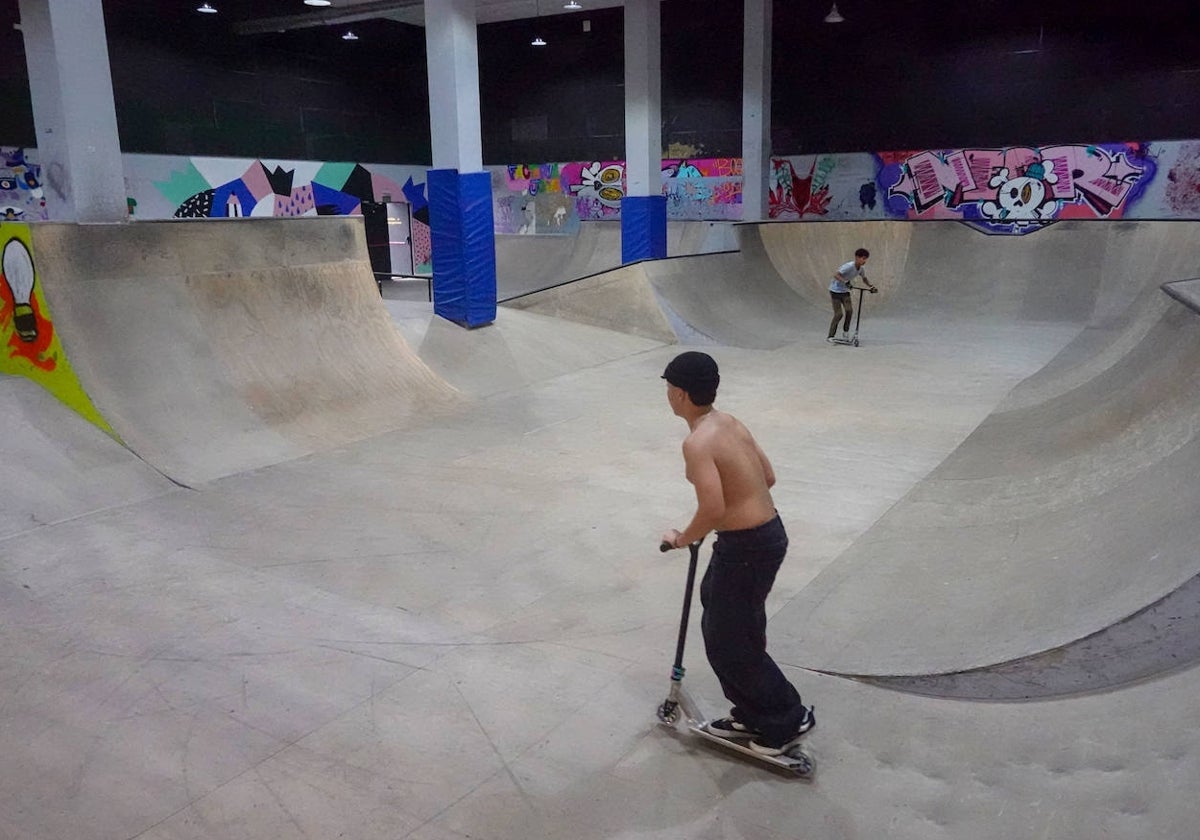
(1165, 26)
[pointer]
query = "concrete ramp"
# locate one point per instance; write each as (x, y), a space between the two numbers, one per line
(806, 255)
(216, 347)
(1069, 509)
(56, 466)
(736, 299)
(1064, 513)
(621, 300)
(531, 263)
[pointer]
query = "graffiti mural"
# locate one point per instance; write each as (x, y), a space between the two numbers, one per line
(296, 189)
(531, 199)
(1002, 190)
(29, 345)
(703, 189)
(555, 197)
(1016, 190)
(21, 195)
(1181, 192)
(792, 195)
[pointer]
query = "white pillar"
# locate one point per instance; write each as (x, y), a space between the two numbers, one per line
(453, 65)
(643, 97)
(756, 109)
(70, 84)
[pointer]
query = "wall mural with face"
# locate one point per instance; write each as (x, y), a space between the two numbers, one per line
(1013, 190)
(553, 198)
(1017, 190)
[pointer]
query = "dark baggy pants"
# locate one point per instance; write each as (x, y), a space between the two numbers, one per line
(734, 594)
(842, 307)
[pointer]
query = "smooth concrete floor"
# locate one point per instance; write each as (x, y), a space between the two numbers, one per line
(463, 629)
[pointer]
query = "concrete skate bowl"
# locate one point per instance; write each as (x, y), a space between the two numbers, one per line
(216, 347)
(775, 289)
(1053, 552)
(732, 299)
(1067, 272)
(531, 263)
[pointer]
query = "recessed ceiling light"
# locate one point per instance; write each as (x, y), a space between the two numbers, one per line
(572, 6)
(538, 42)
(349, 36)
(318, 2)
(207, 9)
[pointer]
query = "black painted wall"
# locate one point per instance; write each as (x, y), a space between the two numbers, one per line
(911, 74)
(899, 74)
(186, 84)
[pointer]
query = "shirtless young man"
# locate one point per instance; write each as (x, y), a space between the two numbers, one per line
(732, 477)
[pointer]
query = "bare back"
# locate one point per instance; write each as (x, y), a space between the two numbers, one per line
(723, 457)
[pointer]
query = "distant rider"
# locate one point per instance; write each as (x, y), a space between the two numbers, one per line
(839, 293)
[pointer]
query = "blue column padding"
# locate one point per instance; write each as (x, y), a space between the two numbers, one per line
(643, 227)
(464, 246)
(445, 230)
(479, 247)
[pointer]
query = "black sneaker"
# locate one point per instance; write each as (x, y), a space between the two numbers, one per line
(727, 727)
(763, 746)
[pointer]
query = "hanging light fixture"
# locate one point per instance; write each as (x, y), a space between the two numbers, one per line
(572, 6)
(318, 2)
(834, 16)
(206, 9)
(349, 36)
(538, 42)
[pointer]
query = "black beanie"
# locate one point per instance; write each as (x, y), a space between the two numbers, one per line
(695, 373)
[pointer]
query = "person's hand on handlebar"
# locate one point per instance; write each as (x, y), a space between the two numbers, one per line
(670, 539)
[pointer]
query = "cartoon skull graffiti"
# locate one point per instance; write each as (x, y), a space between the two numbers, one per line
(1023, 200)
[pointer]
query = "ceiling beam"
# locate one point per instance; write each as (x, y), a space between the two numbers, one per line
(323, 17)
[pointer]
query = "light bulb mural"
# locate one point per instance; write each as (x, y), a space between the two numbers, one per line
(19, 277)
(29, 343)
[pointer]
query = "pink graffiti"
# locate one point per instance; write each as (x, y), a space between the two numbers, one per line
(1083, 181)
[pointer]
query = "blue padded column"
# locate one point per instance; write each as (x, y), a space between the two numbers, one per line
(464, 246)
(479, 247)
(643, 227)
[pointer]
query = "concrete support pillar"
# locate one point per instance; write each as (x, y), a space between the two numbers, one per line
(644, 208)
(453, 64)
(460, 192)
(70, 84)
(756, 109)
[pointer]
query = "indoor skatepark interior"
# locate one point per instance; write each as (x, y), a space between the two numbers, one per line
(345, 569)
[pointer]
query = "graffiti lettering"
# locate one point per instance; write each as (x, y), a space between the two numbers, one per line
(1014, 189)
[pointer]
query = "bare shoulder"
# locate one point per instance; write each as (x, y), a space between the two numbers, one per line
(715, 428)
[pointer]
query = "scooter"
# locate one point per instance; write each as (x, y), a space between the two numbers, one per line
(853, 341)
(678, 701)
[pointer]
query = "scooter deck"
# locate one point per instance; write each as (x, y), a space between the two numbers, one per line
(795, 760)
(851, 342)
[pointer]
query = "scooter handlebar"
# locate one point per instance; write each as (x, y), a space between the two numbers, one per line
(666, 546)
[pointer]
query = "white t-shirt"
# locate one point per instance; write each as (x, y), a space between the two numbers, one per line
(845, 275)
